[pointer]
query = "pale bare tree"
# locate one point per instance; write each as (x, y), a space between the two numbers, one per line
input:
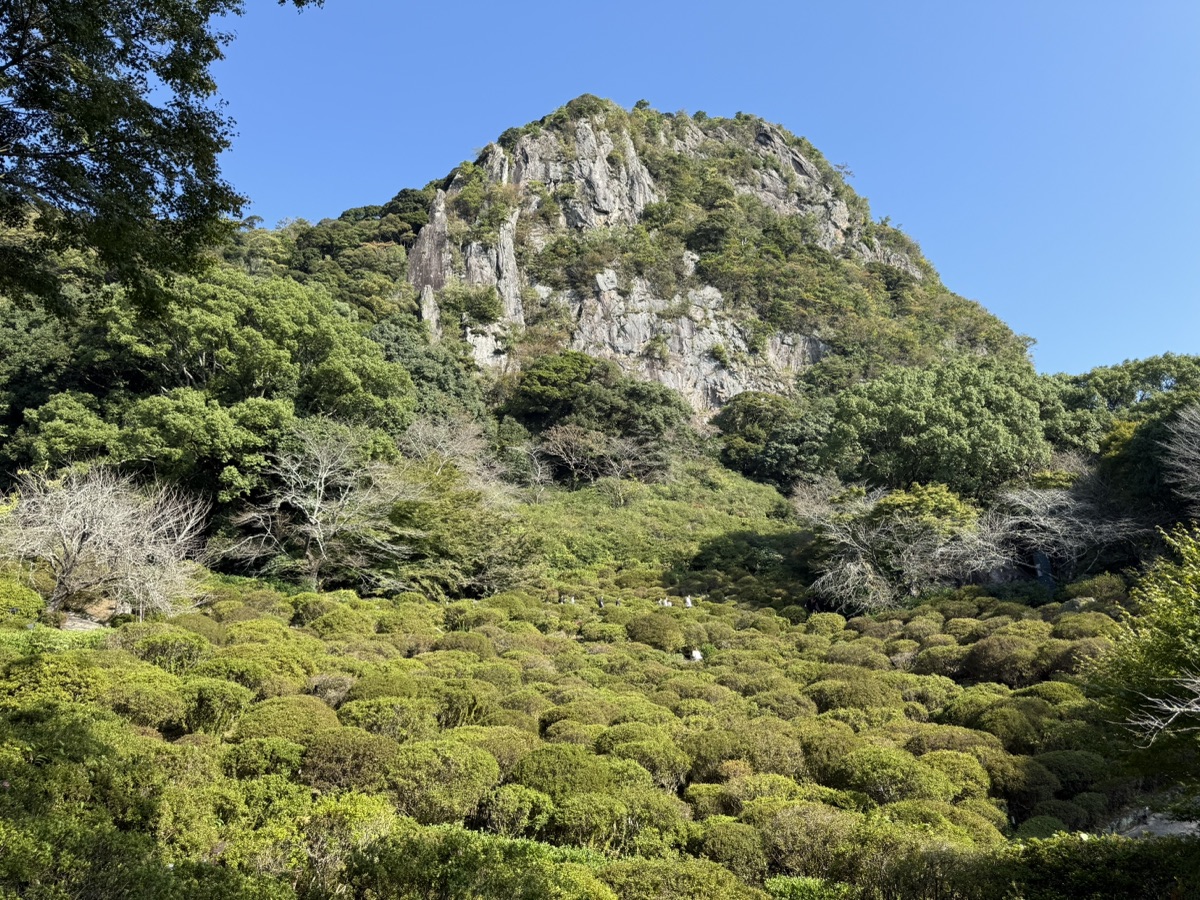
(1067, 524)
(869, 561)
(97, 534)
(327, 511)
(1177, 713)
(458, 440)
(589, 455)
(1182, 459)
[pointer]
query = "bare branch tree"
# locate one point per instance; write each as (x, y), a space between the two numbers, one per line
(458, 440)
(589, 455)
(870, 561)
(329, 509)
(98, 535)
(1183, 455)
(1176, 713)
(1064, 523)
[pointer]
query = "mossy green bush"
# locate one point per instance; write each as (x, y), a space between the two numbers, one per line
(295, 719)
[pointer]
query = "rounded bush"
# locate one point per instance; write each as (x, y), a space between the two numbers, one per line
(947, 660)
(209, 629)
(886, 775)
(1073, 627)
(513, 810)
(811, 839)
(470, 641)
(826, 623)
(658, 630)
(966, 630)
(1009, 659)
(737, 847)
(969, 778)
(440, 781)
(506, 744)
(1076, 770)
(19, 605)
(560, 770)
(257, 757)
(861, 693)
(345, 759)
(399, 718)
(1040, 827)
(292, 718)
(864, 653)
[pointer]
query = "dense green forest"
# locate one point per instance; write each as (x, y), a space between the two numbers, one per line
(298, 600)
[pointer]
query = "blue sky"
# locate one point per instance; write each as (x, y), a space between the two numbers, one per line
(1044, 154)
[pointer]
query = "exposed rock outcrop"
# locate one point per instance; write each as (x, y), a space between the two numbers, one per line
(591, 168)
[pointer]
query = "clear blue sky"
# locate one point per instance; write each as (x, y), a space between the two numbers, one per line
(1045, 154)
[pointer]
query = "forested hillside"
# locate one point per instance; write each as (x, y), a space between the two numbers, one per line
(626, 515)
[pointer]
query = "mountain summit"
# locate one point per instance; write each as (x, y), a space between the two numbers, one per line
(712, 255)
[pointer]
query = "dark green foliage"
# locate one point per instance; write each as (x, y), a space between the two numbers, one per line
(970, 423)
(575, 389)
(110, 141)
(442, 375)
(203, 392)
(771, 439)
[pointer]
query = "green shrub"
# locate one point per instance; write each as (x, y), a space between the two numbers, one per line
(1076, 770)
(825, 623)
(887, 775)
(440, 781)
(346, 759)
(19, 605)
(658, 630)
(470, 641)
(860, 693)
(148, 696)
(514, 810)
(560, 770)
(294, 719)
(259, 757)
(948, 660)
(969, 778)
(1083, 625)
(1040, 827)
(791, 887)
(737, 847)
(171, 648)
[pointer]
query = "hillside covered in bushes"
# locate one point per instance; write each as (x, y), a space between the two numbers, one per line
(626, 515)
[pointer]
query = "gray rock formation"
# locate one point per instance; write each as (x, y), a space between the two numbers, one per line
(684, 342)
(690, 341)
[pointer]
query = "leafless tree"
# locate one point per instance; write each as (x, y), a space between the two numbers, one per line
(1067, 524)
(1176, 713)
(872, 561)
(457, 441)
(588, 455)
(98, 535)
(869, 561)
(1183, 455)
(328, 510)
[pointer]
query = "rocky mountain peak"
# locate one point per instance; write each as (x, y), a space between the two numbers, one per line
(616, 232)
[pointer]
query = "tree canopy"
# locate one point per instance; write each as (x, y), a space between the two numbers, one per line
(109, 140)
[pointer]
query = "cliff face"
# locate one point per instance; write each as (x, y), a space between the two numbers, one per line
(593, 173)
